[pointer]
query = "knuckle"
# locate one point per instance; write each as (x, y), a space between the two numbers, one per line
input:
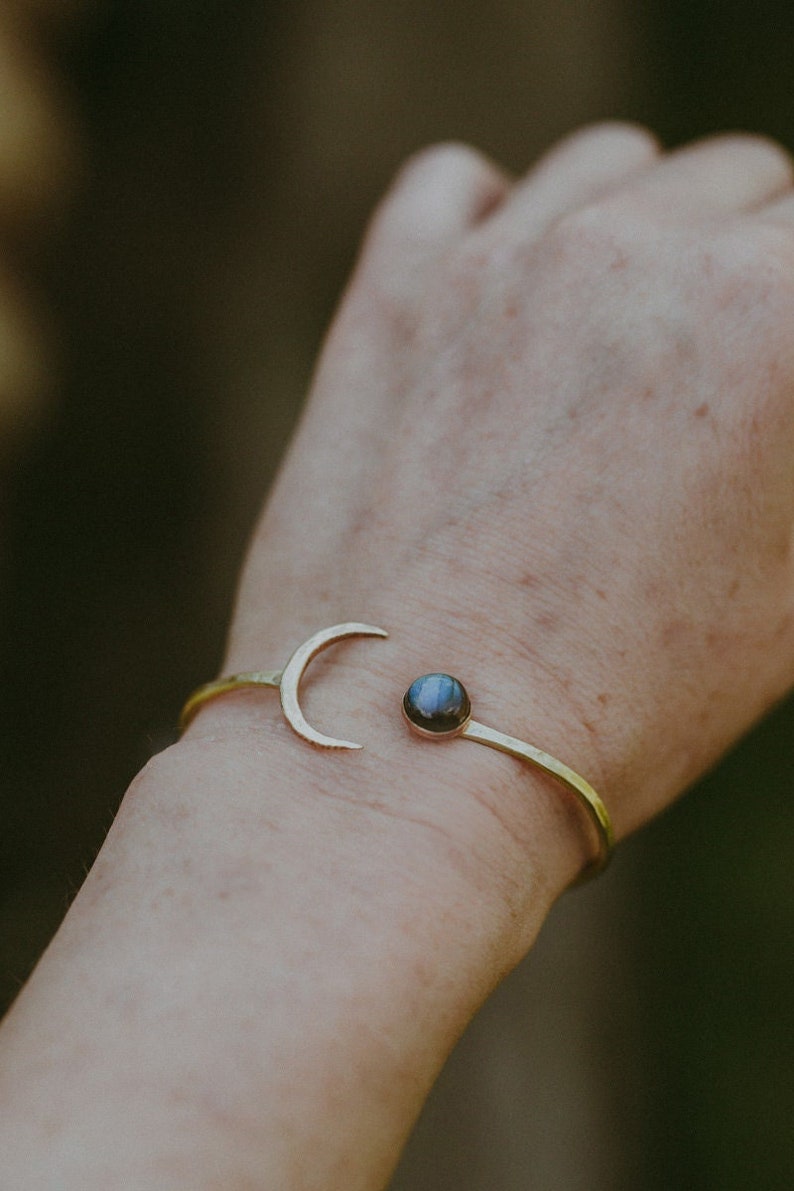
(753, 143)
(750, 154)
(440, 191)
(623, 132)
(453, 159)
(447, 177)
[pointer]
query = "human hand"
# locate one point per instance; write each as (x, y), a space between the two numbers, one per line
(549, 448)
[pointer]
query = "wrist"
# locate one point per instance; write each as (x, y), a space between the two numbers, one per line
(259, 929)
(270, 923)
(524, 662)
(490, 808)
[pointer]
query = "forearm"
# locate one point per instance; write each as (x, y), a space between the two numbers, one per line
(269, 962)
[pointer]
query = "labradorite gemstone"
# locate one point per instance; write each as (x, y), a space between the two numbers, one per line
(437, 703)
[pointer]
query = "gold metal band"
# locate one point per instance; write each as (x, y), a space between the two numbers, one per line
(438, 706)
(563, 773)
(233, 682)
(287, 682)
(435, 706)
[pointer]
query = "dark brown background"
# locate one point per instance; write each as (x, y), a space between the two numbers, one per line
(234, 150)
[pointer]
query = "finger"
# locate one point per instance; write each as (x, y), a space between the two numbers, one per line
(578, 170)
(437, 197)
(722, 175)
(346, 429)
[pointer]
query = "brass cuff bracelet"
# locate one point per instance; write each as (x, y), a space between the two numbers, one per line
(435, 706)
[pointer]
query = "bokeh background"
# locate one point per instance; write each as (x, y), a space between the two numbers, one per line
(182, 188)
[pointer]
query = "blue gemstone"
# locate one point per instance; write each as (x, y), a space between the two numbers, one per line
(437, 703)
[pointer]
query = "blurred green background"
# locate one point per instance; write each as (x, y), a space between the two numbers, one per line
(233, 152)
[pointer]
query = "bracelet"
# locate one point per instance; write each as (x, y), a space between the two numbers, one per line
(436, 706)
(287, 682)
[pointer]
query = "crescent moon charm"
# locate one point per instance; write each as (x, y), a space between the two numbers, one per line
(287, 682)
(295, 669)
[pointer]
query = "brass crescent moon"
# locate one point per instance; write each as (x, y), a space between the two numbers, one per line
(295, 669)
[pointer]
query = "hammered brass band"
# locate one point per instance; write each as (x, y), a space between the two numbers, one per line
(287, 682)
(233, 682)
(563, 773)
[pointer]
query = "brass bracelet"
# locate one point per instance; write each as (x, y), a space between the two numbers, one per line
(436, 706)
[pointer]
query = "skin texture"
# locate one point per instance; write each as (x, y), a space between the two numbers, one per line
(548, 448)
(572, 417)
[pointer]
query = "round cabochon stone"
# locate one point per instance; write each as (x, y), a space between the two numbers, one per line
(437, 703)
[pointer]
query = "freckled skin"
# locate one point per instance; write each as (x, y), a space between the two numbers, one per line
(573, 484)
(275, 954)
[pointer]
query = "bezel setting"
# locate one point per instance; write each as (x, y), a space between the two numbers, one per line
(437, 706)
